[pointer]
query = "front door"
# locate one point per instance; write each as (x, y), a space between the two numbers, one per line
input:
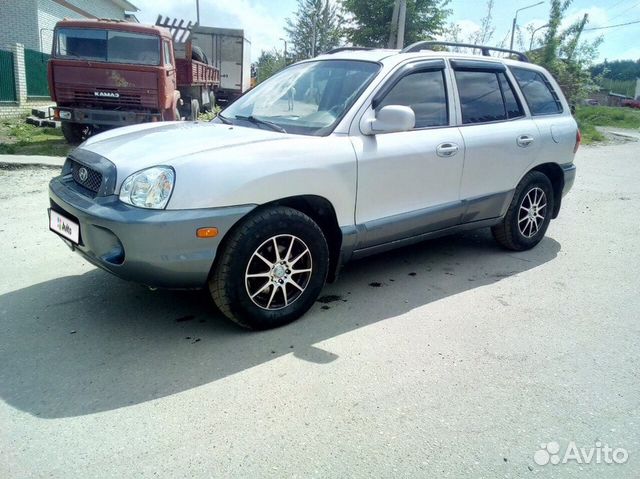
(408, 182)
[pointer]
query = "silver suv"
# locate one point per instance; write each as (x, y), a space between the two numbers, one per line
(351, 153)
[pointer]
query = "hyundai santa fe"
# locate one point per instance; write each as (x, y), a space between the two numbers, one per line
(348, 154)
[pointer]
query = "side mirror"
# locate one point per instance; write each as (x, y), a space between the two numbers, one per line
(390, 119)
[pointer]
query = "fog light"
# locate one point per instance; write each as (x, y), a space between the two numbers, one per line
(65, 115)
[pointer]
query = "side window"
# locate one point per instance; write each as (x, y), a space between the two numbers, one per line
(538, 92)
(167, 53)
(486, 96)
(424, 92)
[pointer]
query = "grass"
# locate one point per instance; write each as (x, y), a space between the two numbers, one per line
(19, 138)
(588, 117)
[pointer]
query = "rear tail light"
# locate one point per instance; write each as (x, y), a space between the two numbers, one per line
(578, 140)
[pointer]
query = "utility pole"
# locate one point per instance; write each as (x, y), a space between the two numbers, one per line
(197, 12)
(574, 43)
(285, 51)
(313, 35)
(394, 25)
(398, 20)
(402, 17)
(533, 34)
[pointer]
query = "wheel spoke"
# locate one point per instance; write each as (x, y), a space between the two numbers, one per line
(523, 218)
(273, 293)
(276, 250)
(265, 260)
(296, 285)
(541, 207)
(266, 285)
(299, 257)
(298, 271)
(259, 275)
(293, 240)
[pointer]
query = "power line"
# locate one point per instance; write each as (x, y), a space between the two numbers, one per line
(625, 11)
(612, 26)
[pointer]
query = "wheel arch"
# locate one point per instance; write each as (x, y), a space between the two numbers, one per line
(554, 172)
(320, 210)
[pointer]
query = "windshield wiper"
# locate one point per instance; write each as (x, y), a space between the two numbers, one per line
(224, 119)
(259, 121)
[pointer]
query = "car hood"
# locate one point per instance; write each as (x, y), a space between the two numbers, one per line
(136, 147)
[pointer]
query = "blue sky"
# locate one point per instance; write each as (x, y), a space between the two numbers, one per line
(263, 20)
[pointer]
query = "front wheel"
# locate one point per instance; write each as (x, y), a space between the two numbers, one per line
(75, 133)
(529, 213)
(271, 269)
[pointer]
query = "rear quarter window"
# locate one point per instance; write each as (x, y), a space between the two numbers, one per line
(538, 92)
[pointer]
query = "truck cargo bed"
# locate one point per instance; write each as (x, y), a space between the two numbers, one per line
(192, 72)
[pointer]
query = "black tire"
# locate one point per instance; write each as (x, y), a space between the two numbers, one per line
(229, 286)
(509, 233)
(75, 133)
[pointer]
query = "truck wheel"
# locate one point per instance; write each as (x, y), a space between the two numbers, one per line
(529, 213)
(75, 133)
(195, 110)
(270, 269)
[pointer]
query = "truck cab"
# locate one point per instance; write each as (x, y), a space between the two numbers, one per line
(105, 74)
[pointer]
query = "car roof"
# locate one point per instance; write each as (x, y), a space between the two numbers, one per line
(391, 57)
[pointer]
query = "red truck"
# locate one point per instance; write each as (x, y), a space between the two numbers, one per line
(105, 74)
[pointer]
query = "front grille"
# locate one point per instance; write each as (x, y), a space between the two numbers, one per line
(86, 177)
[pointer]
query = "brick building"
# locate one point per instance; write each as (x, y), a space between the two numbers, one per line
(31, 22)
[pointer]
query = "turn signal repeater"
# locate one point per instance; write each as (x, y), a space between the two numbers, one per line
(207, 232)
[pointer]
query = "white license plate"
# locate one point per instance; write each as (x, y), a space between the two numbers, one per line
(64, 226)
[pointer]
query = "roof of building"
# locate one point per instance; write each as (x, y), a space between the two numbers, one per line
(126, 6)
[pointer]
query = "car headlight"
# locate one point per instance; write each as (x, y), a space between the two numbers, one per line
(150, 188)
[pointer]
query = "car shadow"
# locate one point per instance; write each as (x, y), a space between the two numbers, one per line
(83, 344)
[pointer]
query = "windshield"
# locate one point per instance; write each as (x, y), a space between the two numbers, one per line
(307, 98)
(107, 46)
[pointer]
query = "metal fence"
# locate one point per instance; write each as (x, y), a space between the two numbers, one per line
(35, 64)
(7, 80)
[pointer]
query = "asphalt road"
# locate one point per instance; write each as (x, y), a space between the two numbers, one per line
(452, 358)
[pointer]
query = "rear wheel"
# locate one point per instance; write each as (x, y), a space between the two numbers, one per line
(271, 269)
(529, 213)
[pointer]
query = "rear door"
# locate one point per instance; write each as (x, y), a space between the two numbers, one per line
(552, 116)
(501, 140)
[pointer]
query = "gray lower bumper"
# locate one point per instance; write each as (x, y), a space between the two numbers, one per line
(569, 177)
(153, 247)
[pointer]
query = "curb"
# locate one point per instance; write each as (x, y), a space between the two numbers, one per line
(22, 161)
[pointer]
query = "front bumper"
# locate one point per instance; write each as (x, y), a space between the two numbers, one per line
(158, 248)
(95, 116)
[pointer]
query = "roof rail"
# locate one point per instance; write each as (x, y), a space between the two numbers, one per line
(346, 49)
(424, 45)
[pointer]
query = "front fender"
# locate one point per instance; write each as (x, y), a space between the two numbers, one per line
(260, 173)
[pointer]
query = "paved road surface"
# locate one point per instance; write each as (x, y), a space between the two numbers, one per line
(461, 363)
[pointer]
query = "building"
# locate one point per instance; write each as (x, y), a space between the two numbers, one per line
(31, 22)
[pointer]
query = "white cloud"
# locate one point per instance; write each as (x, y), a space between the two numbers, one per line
(263, 23)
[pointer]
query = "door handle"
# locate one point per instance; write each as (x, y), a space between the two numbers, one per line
(524, 140)
(446, 149)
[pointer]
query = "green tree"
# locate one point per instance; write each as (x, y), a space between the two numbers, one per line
(316, 27)
(269, 62)
(369, 22)
(565, 56)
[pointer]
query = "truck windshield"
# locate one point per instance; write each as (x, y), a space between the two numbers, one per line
(308, 98)
(110, 46)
